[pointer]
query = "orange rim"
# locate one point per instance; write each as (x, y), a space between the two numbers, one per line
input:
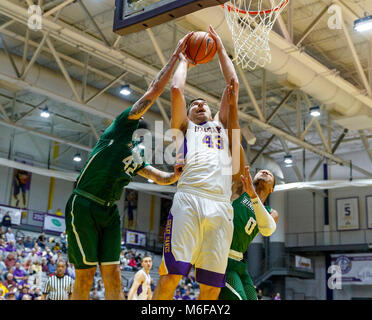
(230, 8)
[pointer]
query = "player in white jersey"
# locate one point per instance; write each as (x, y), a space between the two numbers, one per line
(199, 227)
(141, 287)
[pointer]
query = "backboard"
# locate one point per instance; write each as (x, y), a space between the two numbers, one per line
(136, 15)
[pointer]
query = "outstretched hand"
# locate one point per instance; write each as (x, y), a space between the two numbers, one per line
(181, 46)
(216, 38)
(247, 183)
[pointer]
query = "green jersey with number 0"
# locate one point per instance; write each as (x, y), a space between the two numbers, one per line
(245, 225)
(115, 159)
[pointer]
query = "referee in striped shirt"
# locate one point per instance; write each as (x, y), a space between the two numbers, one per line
(58, 286)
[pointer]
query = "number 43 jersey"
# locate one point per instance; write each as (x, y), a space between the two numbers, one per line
(245, 225)
(207, 170)
(114, 160)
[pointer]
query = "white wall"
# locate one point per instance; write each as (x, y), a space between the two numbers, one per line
(144, 212)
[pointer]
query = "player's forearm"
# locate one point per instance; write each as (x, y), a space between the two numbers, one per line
(265, 222)
(158, 176)
(154, 90)
(179, 77)
(163, 77)
(227, 66)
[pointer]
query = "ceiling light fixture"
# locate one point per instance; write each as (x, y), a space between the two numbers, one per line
(45, 113)
(315, 111)
(77, 157)
(363, 24)
(288, 160)
(125, 90)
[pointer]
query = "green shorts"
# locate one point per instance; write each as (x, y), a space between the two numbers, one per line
(239, 285)
(93, 233)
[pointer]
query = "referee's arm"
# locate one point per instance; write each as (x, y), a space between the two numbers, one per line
(46, 290)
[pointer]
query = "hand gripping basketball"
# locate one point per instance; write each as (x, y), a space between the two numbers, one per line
(201, 48)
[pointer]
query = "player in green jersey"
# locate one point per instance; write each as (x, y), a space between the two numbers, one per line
(250, 218)
(92, 218)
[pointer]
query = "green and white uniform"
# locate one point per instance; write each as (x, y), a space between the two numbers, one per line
(92, 218)
(239, 285)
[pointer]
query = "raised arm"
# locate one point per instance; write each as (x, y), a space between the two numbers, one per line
(161, 177)
(265, 221)
(179, 112)
(233, 128)
(158, 85)
(229, 73)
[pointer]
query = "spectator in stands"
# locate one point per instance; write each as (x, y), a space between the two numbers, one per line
(277, 296)
(138, 259)
(259, 294)
(33, 256)
(9, 236)
(64, 248)
(63, 237)
(132, 263)
(19, 273)
(124, 261)
(35, 293)
(177, 295)
(11, 295)
(10, 260)
(3, 289)
(28, 243)
(48, 254)
(71, 270)
(7, 220)
(1, 293)
(9, 282)
(11, 247)
(22, 257)
(41, 240)
(23, 291)
(24, 281)
(44, 265)
(59, 212)
(100, 287)
(52, 267)
(94, 295)
(56, 247)
(19, 244)
(186, 296)
(3, 267)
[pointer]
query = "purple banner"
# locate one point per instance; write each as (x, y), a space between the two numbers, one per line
(37, 216)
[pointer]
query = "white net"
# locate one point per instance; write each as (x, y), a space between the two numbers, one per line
(250, 22)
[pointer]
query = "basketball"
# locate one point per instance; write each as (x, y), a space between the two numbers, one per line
(201, 48)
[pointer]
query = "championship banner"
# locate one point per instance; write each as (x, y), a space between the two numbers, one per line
(20, 192)
(14, 213)
(356, 268)
(347, 213)
(54, 223)
(135, 238)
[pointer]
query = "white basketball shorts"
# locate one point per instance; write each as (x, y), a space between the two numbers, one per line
(199, 232)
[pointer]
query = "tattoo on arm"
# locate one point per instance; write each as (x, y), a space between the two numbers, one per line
(140, 106)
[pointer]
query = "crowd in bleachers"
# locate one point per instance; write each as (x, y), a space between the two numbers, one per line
(26, 263)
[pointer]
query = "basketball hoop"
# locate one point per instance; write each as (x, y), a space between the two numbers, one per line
(250, 24)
